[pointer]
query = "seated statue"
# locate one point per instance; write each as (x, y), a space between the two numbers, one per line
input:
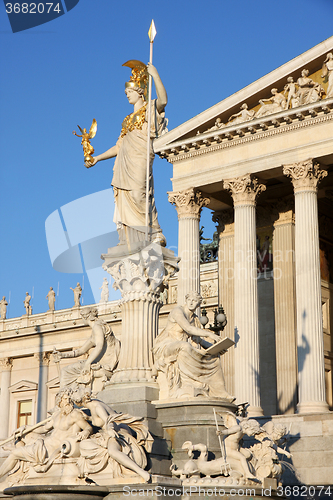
(274, 104)
(308, 90)
(103, 348)
(180, 353)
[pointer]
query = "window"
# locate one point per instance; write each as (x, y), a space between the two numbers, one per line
(24, 413)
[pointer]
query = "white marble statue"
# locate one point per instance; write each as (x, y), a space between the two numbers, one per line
(3, 308)
(308, 90)
(327, 73)
(26, 302)
(291, 91)
(103, 348)
(236, 456)
(51, 297)
(274, 104)
(92, 443)
(241, 465)
(129, 172)
(77, 294)
(180, 354)
(265, 459)
(105, 290)
(120, 437)
(217, 125)
(243, 115)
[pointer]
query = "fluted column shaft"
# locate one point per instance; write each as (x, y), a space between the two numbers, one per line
(311, 372)
(43, 359)
(189, 204)
(244, 191)
(285, 307)
(225, 229)
(6, 368)
(141, 277)
(139, 329)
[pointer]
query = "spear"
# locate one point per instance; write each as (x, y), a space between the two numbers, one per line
(223, 450)
(151, 34)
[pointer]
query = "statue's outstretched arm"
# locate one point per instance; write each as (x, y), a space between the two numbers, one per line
(162, 98)
(110, 153)
(84, 348)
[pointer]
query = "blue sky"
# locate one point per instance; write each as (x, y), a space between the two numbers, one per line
(69, 71)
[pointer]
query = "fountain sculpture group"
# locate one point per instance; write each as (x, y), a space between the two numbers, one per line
(85, 447)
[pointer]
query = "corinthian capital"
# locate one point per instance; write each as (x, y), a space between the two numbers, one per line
(188, 203)
(305, 175)
(6, 364)
(244, 190)
(43, 358)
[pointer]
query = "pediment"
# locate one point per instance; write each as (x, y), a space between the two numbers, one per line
(219, 120)
(23, 386)
(54, 383)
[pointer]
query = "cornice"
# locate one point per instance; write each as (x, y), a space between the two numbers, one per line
(253, 130)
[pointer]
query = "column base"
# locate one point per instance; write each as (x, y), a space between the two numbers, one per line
(312, 407)
(254, 411)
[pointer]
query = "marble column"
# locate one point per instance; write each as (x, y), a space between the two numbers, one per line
(141, 276)
(311, 371)
(225, 228)
(6, 368)
(43, 359)
(244, 191)
(285, 307)
(188, 204)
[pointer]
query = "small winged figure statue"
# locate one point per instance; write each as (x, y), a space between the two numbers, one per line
(88, 150)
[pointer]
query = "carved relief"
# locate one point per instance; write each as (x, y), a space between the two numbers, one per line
(208, 289)
(188, 203)
(173, 295)
(304, 91)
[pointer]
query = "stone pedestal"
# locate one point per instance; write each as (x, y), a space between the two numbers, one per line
(285, 307)
(244, 191)
(189, 204)
(140, 273)
(190, 421)
(311, 375)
